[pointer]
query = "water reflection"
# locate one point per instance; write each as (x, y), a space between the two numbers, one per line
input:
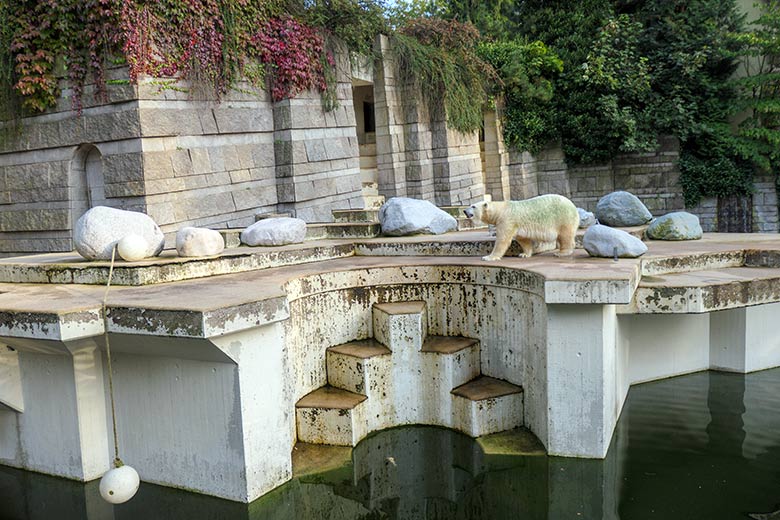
(704, 446)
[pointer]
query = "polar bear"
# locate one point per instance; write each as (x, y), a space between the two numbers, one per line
(546, 218)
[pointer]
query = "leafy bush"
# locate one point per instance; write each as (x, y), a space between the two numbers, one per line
(711, 166)
(526, 71)
(758, 90)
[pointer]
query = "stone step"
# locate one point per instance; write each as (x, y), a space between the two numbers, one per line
(355, 215)
(465, 223)
(400, 326)
(368, 162)
(370, 176)
(373, 201)
(487, 405)
(342, 230)
(356, 366)
(673, 264)
(455, 211)
(331, 415)
(454, 360)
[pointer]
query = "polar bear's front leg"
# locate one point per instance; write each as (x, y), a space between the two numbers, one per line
(503, 240)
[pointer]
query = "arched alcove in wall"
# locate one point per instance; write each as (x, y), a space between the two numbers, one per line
(87, 187)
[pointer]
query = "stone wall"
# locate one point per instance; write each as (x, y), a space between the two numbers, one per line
(765, 208)
(184, 160)
(44, 160)
(417, 155)
(205, 163)
(317, 155)
(652, 176)
(765, 212)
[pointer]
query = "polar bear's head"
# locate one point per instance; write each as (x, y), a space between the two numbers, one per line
(480, 211)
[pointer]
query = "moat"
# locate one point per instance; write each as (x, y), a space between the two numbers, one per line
(704, 445)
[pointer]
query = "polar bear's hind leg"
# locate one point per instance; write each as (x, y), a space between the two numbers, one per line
(526, 246)
(565, 242)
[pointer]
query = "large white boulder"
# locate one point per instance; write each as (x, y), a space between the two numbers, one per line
(274, 232)
(607, 242)
(101, 228)
(192, 241)
(403, 216)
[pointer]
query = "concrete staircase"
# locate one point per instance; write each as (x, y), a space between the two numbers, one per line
(405, 376)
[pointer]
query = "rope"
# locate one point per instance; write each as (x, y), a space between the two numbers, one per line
(117, 461)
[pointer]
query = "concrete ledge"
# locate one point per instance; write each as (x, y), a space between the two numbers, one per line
(707, 291)
(59, 268)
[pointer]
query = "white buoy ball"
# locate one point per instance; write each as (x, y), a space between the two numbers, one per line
(119, 485)
(132, 247)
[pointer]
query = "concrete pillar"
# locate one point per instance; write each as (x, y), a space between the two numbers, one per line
(62, 426)
(665, 345)
(224, 412)
(390, 146)
(582, 400)
(496, 159)
(745, 340)
(316, 152)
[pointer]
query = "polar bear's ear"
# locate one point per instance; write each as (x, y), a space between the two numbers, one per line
(485, 210)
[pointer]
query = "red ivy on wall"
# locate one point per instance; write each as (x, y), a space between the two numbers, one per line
(203, 42)
(293, 53)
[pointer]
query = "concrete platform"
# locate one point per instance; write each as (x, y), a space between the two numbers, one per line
(211, 356)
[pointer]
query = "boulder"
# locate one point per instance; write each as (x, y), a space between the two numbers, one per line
(602, 240)
(621, 209)
(100, 228)
(192, 241)
(679, 225)
(403, 216)
(274, 232)
(587, 218)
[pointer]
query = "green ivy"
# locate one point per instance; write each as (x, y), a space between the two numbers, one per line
(437, 59)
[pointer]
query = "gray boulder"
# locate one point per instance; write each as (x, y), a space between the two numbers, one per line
(100, 228)
(602, 240)
(403, 216)
(587, 218)
(274, 232)
(192, 241)
(621, 209)
(679, 225)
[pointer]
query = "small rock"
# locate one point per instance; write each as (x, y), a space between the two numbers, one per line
(621, 209)
(403, 216)
(679, 225)
(132, 248)
(274, 232)
(587, 218)
(602, 240)
(192, 241)
(99, 229)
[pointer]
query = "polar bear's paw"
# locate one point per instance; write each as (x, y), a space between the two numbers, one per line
(564, 253)
(524, 255)
(491, 258)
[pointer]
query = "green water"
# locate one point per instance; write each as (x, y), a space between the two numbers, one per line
(703, 446)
